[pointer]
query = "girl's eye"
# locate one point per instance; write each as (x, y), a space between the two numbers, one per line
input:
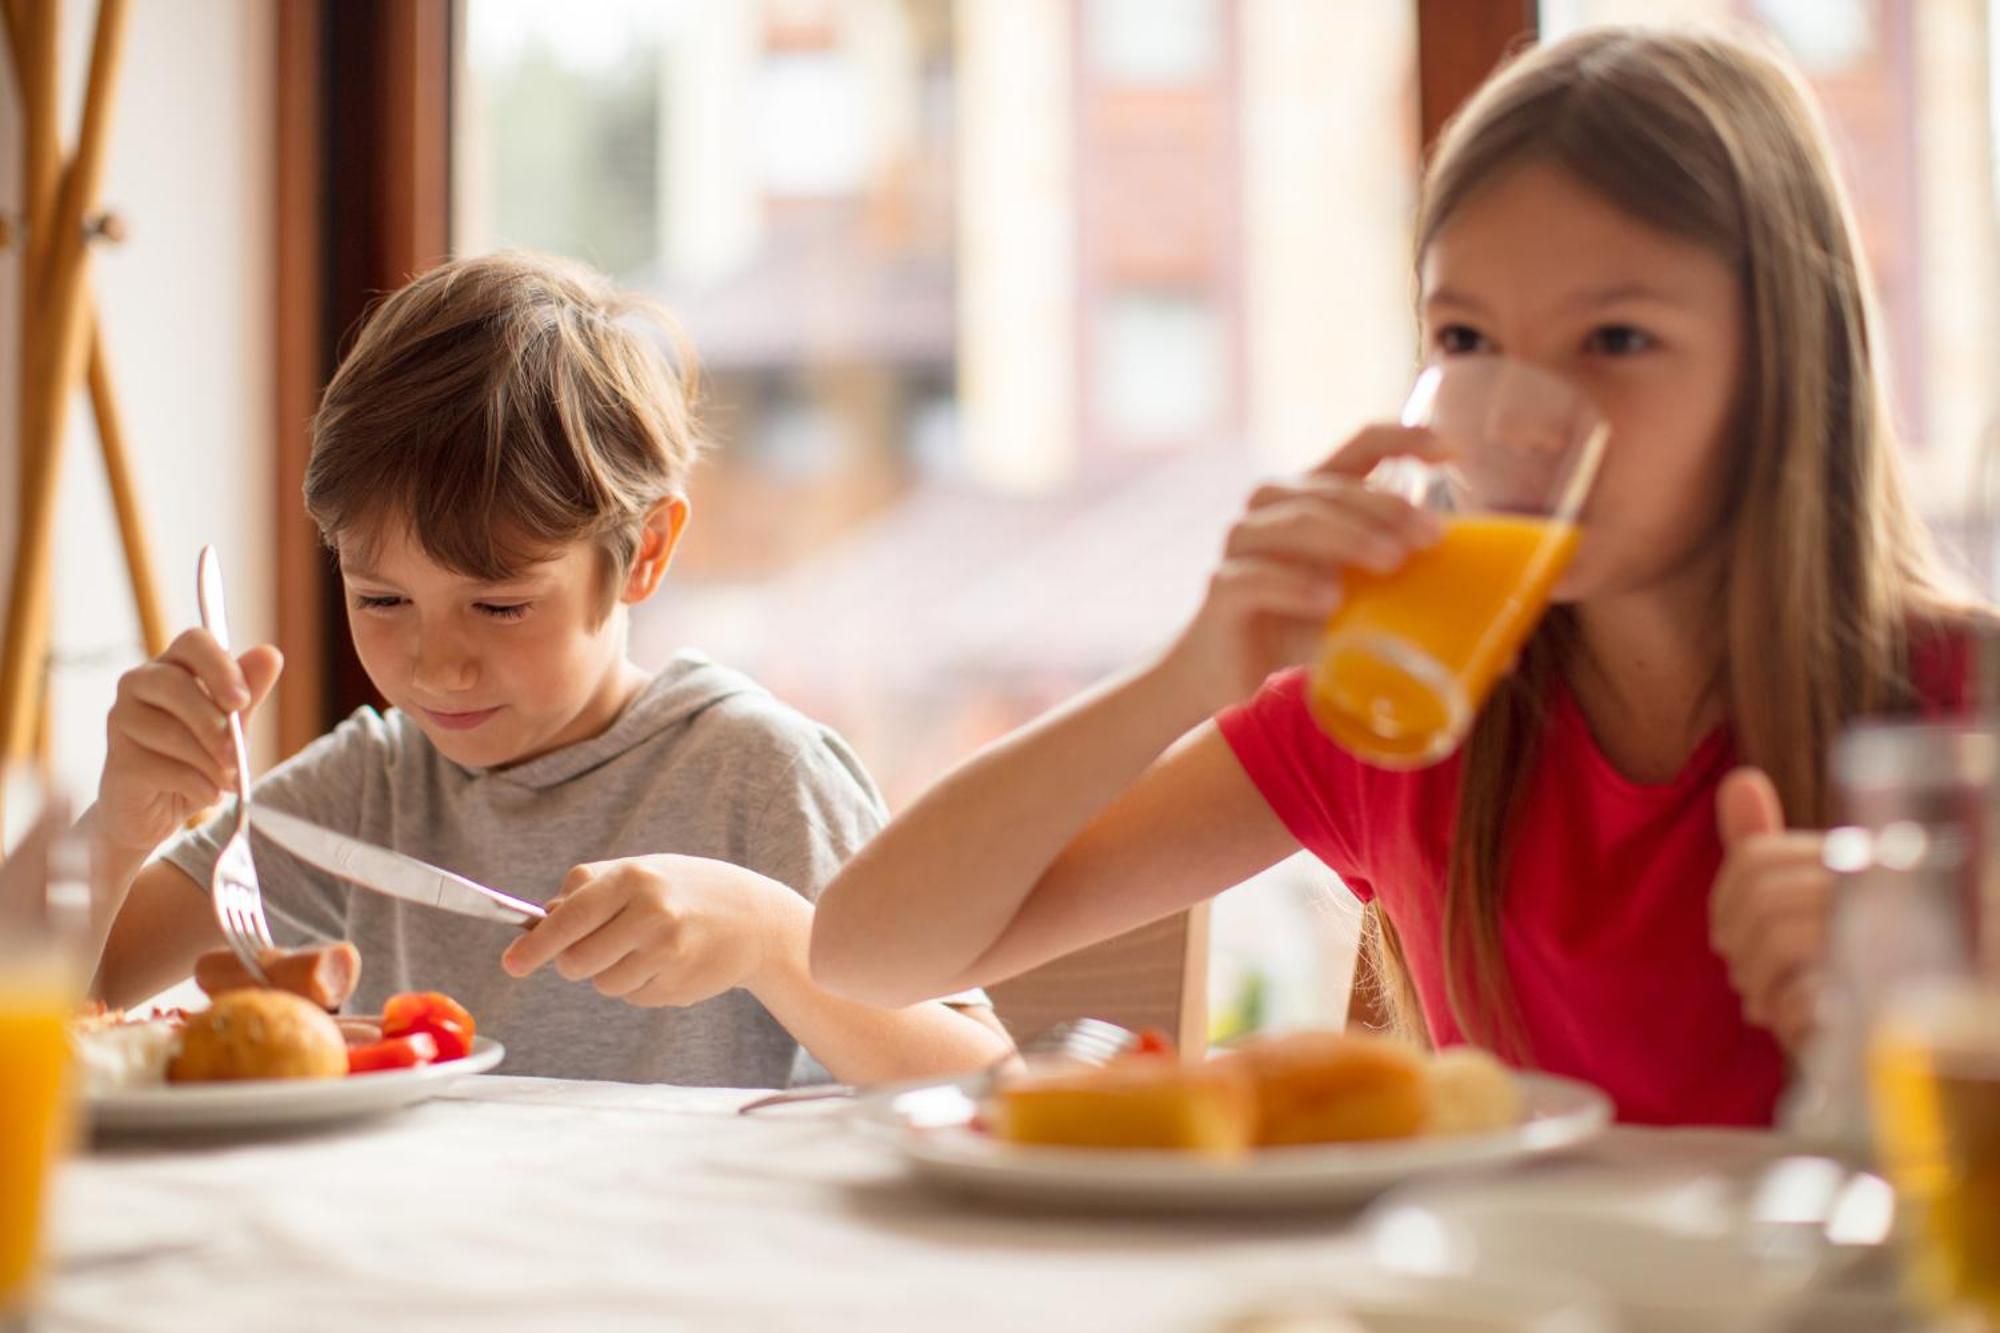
(367, 603)
(503, 611)
(1461, 340)
(1620, 340)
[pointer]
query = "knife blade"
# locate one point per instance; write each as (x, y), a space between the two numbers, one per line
(389, 872)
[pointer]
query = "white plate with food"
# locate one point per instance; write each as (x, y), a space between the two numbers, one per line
(268, 1056)
(278, 1103)
(1429, 1118)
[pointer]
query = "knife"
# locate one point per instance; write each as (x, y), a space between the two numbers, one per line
(389, 872)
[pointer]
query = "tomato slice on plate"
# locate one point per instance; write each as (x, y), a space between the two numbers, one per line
(433, 1012)
(406, 1052)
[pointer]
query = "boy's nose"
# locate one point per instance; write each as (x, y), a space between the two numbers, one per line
(440, 667)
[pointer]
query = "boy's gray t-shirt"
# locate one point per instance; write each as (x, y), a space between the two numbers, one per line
(704, 762)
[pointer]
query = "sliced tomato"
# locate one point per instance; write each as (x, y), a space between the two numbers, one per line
(444, 1018)
(1153, 1042)
(406, 1052)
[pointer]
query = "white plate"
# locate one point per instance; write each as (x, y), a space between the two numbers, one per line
(283, 1102)
(930, 1128)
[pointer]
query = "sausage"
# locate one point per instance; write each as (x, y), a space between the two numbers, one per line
(324, 976)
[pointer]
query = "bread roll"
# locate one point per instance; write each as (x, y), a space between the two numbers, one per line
(1471, 1093)
(1143, 1102)
(1334, 1087)
(259, 1034)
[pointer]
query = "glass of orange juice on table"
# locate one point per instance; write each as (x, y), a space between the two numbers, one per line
(39, 992)
(1934, 1067)
(1409, 656)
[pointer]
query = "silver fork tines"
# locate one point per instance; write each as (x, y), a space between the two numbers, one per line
(233, 889)
(1075, 1041)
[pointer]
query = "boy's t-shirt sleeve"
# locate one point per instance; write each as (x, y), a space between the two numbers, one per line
(325, 782)
(819, 808)
(818, 816)
(1316, 789)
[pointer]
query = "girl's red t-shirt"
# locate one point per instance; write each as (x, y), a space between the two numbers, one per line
(1604, 918)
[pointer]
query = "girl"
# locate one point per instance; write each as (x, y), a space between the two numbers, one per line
(1587, 885)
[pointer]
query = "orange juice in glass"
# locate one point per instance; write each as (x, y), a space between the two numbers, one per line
(1934, 1080)
(1409, 656)
(36, 1002)
(38, 997)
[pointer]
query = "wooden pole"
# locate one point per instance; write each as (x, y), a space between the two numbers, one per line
(17, 37)
(301, 702)
(125, 497)
(61, 327)
(1458, 45)
(35, 30)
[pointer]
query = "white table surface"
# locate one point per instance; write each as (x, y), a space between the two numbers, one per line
(534, 1203)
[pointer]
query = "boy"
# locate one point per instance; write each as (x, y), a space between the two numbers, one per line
(499, 466)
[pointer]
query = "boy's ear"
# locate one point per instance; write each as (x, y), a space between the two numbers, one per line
(658, 539)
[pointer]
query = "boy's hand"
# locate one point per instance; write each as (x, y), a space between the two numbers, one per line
(168, 755)
(1268, 601)
(1768, 912)
(660, 930)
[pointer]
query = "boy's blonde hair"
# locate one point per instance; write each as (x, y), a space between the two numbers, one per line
(503, 407)
(1829, 571)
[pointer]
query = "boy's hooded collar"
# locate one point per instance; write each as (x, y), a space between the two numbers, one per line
(688, 685)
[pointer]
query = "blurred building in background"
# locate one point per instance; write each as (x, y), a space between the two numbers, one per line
(1004, 305)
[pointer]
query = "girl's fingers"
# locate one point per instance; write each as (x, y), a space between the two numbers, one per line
(1789, 1012)
(1325, 538)
(1781, 850)
(1394, 515)
(1262, 586)
(1794, 945)
(571, 919)
(1373, 444)
(1795, 1010)
(1752, 888)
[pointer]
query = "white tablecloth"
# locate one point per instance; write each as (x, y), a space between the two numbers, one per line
(530, 1203)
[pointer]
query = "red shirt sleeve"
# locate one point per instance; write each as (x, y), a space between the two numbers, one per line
(1314, 787)
(1944, 669)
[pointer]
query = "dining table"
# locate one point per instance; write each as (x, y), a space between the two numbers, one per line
(510, 1202)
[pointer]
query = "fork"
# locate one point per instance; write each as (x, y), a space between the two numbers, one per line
(1076, 1041)
(233, 887)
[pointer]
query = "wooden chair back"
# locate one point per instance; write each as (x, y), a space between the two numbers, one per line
(1152, 977)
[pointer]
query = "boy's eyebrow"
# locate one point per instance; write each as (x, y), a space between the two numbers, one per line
(368, 574)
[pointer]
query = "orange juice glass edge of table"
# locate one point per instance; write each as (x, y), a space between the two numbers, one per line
(1458, 613)
(35, 1073)
(1937, 1123)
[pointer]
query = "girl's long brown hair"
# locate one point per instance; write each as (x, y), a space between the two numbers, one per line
(1710, 139)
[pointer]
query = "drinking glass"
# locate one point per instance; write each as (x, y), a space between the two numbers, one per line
(1409, 657)
(1935, 1077)
(39, 991)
